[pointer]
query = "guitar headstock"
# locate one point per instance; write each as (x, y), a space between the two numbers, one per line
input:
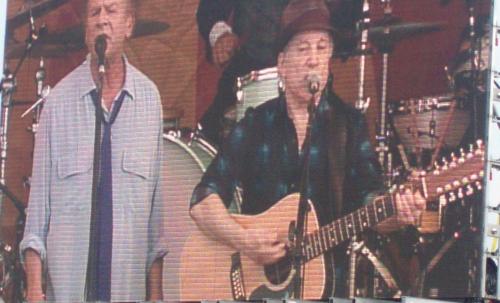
(457, 176)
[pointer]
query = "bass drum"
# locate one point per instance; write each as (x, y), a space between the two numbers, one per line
(185, 158)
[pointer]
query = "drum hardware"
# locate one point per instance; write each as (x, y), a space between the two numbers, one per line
(418, 287)
(363, 103)
(384, 155)
(8, 88)
(383, 36)
(423, 124)
(359, 249)
(474, 64)
(255, 88)
(33, 10)
(172, 116)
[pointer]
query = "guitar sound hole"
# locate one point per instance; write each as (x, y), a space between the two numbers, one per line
(278, 272)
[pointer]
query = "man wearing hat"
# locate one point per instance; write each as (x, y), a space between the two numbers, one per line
(264, 154)
(240, 37)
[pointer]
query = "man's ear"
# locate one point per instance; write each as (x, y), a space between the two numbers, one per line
(130, 26)
(281, 63)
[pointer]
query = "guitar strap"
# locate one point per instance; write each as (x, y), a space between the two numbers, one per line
(337, 150)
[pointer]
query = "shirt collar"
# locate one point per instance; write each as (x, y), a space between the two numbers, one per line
(324, 105)
(88, 84)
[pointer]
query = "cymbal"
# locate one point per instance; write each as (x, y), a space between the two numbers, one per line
(76, 35)
(40, 8)
(59, 44)
(15, 50)
(390, 34)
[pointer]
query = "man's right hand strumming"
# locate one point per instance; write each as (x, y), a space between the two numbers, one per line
(224, 49)
(263, 246)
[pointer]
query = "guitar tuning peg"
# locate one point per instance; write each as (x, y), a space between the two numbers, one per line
(453, 163)
(469, 190)
(445, 164)
(401, 188)
(439, 190)
(436, 168)
(479, 152)
(479, 143)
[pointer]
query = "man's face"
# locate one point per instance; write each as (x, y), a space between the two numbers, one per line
(308, 53)
(112, 18)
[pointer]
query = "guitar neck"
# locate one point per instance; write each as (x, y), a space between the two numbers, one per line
(329, 236)
(459, 174)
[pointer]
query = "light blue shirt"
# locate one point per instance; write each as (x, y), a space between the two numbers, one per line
(58, 221)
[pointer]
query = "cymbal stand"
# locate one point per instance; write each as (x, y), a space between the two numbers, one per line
(384, 155)
(475, 59)
(8, 87)
(39, 79)
(362, 103)
(41, 93)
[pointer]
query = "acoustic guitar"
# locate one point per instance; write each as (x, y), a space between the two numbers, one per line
(210, 270)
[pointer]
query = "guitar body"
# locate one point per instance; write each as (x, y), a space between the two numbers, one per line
(206, 263)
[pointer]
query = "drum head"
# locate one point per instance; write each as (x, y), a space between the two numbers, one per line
(422, 123)
(183, 165)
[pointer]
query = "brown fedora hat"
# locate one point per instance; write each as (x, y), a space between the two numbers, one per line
(303, 15)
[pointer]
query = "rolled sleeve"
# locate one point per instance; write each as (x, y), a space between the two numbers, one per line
(38, 211)
(157, 234)
(34, 242)
(224, 173)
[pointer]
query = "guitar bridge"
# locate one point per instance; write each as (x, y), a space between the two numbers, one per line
(236, 277)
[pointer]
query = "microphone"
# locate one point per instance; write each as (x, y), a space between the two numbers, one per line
(100, 49)
(40, 77)
(313, 83)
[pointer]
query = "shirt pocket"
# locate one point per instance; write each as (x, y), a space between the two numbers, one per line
(137, 163)
(137, 179)
(71, 166)
(71, 192)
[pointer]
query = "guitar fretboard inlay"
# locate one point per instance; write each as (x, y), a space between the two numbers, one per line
(327, 237)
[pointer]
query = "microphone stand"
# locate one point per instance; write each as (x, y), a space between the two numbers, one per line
(300, 228)
(474, 65)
